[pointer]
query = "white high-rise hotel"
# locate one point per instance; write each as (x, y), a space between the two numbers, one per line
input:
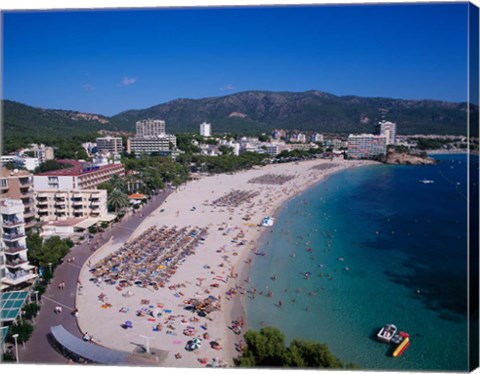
(150, 127)
(389, 130)
(206, 129)
(151, 138)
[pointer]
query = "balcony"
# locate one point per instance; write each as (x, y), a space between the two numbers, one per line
(18, 277)
(13, 236)
(28, 214)
(27, 202)
(25, 181)
(13, 223)
(30, 224)
(16, 263)
(14, 250)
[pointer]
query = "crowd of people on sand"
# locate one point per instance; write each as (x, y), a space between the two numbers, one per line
(324, 166)
(150, 259)
(235, 198)
(272, 179)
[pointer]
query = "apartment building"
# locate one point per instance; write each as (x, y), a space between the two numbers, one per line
(80, 176)
(150, 127)
(55, 205)
(366, 145)
(158, 144)
(42, 152)
(389, 130)
(151, 138)
(110, 144)
(15, 271)
(18, 185)
(205, 129)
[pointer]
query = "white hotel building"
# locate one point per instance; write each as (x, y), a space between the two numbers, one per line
(389, 130)
(206, 129)
(15, 271)
(366, 145)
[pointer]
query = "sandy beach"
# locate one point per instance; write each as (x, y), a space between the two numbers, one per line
(215, 222)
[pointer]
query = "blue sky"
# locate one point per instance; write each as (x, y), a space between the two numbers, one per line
(109, 61)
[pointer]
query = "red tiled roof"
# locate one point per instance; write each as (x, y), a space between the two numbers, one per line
(78, 169)
(137, 196)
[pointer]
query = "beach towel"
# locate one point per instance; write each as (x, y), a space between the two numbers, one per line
(167, 311)
(151, 319)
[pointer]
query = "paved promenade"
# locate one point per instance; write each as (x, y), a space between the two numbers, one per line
(38, 349)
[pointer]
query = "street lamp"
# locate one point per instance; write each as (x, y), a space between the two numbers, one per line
(15, 336)
(36, 296)
(148, 342)
(50, 267)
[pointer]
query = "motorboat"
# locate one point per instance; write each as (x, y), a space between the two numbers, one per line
(387, 332)
(268, 221)
(426, 181)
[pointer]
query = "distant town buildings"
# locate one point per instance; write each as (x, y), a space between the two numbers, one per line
(21, 162)
(316, 138)
(42, 152)
(279, 134)
(110, 144)
(18, 185)
(78, 176)
(15, 271)
(389, 130)
(152, 138)
(90, 147)
(366, 145)
(205, 129)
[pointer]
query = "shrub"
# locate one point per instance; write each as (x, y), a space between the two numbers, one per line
(24, 330)
(31, 310)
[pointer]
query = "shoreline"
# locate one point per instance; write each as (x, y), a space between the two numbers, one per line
(231, 240)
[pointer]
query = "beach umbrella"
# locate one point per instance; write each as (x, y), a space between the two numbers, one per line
(128, 324)
(194, 344)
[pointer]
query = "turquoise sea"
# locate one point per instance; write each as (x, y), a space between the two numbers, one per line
(379, 247)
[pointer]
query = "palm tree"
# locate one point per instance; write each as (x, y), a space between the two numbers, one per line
(117, 182)
(117, 199)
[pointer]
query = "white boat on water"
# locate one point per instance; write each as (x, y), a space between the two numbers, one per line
(426, 181)
(387, 333)
(268, 221)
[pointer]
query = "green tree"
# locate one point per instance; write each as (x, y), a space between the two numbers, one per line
(24, 330)
(117, 200)
(117, 182)
(311, 354)
(31, 310)
(34, 245)
(264, 348)
(225, 150)
(53, 250)
(50, 165)
(105, 186)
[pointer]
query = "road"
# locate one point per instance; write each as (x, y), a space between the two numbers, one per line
(38, 349)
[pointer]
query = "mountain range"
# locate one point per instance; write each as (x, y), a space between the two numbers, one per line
(251, 112)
